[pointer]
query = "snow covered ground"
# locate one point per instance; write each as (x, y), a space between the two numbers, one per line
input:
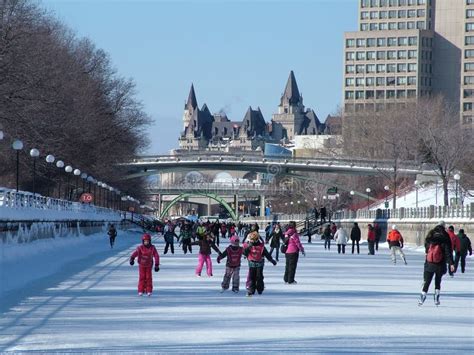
(80, 296)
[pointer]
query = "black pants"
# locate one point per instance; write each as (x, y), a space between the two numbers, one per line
(187, 246)
(377, 244)
(112, 241)
(168, 245)
(456, 261)
(428, 276)
(277, 251)
(327, 243)
(341, 247)
(463, 262)
(354, 242)
(256, 280)
(371, 247)
(290, 267)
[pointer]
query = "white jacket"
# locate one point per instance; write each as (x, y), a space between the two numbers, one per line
(341, 236)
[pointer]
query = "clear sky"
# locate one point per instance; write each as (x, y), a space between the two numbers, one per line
(237, 53)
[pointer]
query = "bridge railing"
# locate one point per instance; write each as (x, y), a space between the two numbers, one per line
(24, 201)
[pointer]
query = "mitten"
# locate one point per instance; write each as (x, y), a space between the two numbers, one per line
(274, 262)
(157, 268)
(304, 254)
(132, 261)
(218, 260)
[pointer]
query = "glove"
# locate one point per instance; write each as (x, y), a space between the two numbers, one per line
(274, 262)
(157, 268)
(218, 260)
(132, 261)
(304, 254)
(401, 246)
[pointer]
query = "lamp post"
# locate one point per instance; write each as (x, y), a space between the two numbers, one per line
(90, 180)
(77, 173)
(83, 177)
(457, 177)
(386, 188)
(60, 165)
(49, 160)
(68, 170)
(291, 208)
(17, 145)
(416, 193)
(368, 201)
(34, 153)
(298, 205)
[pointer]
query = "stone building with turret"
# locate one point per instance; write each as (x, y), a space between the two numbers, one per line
(216, 132)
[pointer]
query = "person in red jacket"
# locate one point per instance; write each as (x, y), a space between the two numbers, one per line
(371, 239)
(395, 243)
(145, 253)
(456, 248)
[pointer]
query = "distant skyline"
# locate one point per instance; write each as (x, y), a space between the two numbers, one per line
(236, 53)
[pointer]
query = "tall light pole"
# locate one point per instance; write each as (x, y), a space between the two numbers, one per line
(368, 192)
(34, 153)
(386, 188)
(416, 192)
(17, 145)
(68, 170)
(457, 177)
(83, 177)
(49, 160)
(60, 165)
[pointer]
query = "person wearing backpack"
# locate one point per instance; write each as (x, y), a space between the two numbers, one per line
(232, 269)
(395, 243)
(294, 246)
(255, 251)
(464, 248)
(438, 254)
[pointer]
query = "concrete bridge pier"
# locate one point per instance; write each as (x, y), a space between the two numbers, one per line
(236, 204)
(262, 205)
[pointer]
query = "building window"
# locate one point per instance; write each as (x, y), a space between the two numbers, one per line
(349, 81)
(411, 25)
(390, 94)
(467, 106)
(412, 41)
(411, 2)
(380, 81)
(370, 68)
(359, 95)
(383, 26)
(371, 55)
(369, 94)
(391, 54)
(392, 14)
(401, 68)
(401, 94)
(391, 81)
(402, 25)
(380, 55)
(383, 14)
(468, 67)
(421, 2)
(371, 42)
(374, 26)
(402, 54)
(360, 81)
(391, 68)
(401, 80)
(411, 13)
(364, 27)
(380, 94)
(374, 15)
(420, 25)
(374, 3)
(468, 80)
(381, 42)
(402, 2)
(380, 68)
(402, 13)
(360, 69)
(393, 2)
(468, 93)
(364, 15)
(350, 42)
(469, 2)
(392, 41)
(412, 54)
(469, 13)
(369, 81)
(383, 3)
(364, 3)
(469, 40)
(469, 53)
(411, 93)
(349, 108)
(350, 69)
(349, 95)
(360, 42)
(350, 55)
(469, 26)
(360, 55)
(412, 67)
(467, 119)
(421, 13)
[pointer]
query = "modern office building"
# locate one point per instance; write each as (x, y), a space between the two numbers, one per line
(407, 49)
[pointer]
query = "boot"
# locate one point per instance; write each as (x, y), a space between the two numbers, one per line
(422, 298)
(405, 261)
(436, 297)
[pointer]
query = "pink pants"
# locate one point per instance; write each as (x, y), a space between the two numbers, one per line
(204, 259)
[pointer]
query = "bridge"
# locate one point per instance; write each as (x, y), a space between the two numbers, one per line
(151, 165)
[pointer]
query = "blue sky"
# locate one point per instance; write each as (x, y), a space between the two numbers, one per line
(237, 53)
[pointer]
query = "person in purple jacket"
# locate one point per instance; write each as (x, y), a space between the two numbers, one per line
(292, 239)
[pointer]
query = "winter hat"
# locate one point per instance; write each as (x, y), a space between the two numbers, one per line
(146, 236)
(234, 240)
(394, 227)
(253, 236)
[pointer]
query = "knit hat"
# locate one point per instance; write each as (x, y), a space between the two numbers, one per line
(234, 240)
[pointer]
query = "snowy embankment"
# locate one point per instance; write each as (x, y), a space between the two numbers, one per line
(342, 303)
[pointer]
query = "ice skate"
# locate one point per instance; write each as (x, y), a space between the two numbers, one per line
(149, 294)
(422, 298)
(140, 293)
(436, 298)
(223, 290)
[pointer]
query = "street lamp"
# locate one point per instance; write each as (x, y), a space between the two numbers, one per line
(60, 165)
(416, 190)
(368, 192)
(77, 173)
(83, 177)
(17, 145)
(34, 153)
(49, 160)
(90, 180)
(457, 177)
(68, 170)
(386, 188)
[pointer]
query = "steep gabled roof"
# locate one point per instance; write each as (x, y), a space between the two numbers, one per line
(311, 124)
(253, 122)
(192, 102)
(291, 94)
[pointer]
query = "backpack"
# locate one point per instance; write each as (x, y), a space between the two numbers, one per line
(435, 254)
(284, 246)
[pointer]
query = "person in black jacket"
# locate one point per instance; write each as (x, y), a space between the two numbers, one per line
(437, 246)
(465, 247)
(275, 238)
(355, 237)
(112, 232)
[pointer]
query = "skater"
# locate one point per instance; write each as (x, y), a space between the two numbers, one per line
(327, 237)
(292, 239)
(186, 235)
(205, 244)
(395, 243)
(323, 213)
(275, 238)
(255, 251)
(355, 237)
(455, 247)
(112, 232)
(169, 239)
(232, 268)
(341, 240)
(371, 239)
(465, 247)
(145, 253)
(378, 235)
(438, 253)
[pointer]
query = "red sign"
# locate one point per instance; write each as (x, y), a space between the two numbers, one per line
(86, 197)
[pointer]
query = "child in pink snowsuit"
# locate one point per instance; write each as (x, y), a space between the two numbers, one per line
(232, 270)
(204, 256)
(145, 253)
